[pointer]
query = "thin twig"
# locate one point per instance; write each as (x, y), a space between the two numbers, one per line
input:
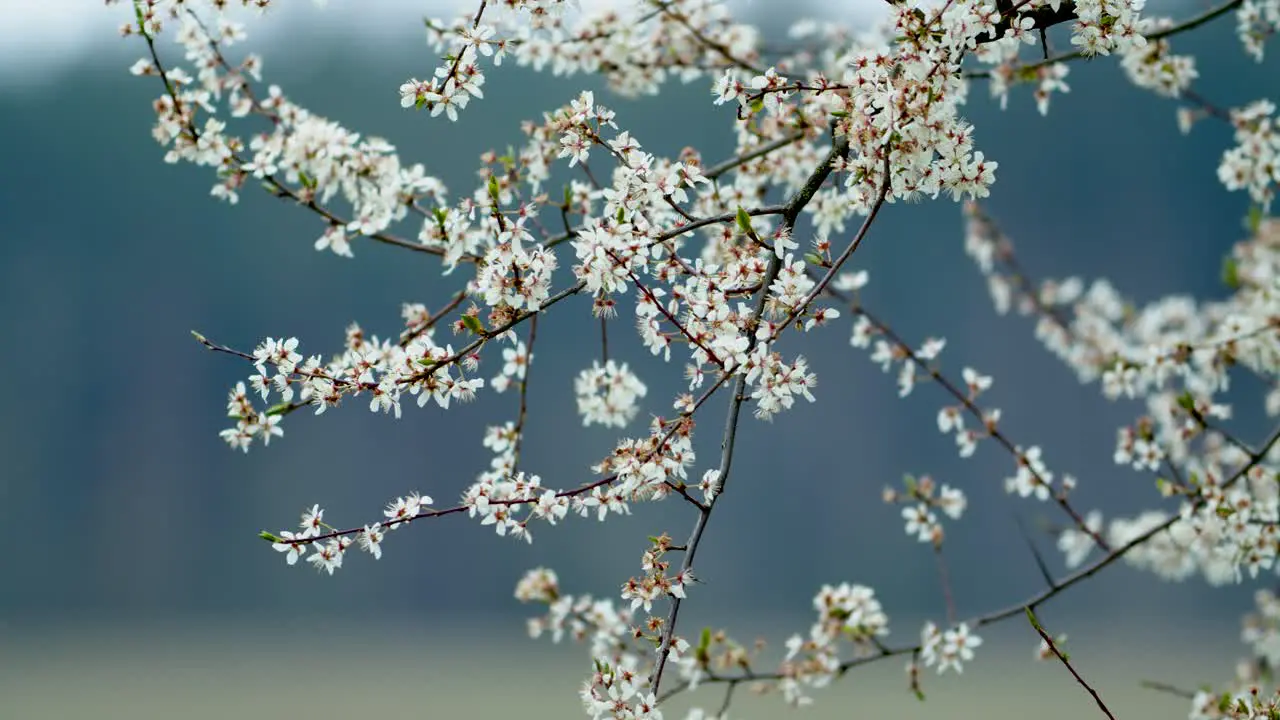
(944, 577)
(715, 171)
(604, 340)
(524, 393)
(1168, 689)
(1052, 646)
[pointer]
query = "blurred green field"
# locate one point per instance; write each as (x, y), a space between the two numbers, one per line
(320, 670)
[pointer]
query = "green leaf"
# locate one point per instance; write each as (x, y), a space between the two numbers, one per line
(1027, 74)
(1164, 487)
(703, 651)
(269, 537)
(1230, 273)
(1255, 219)
(1186, 402)
(137, 12)
(815, 259)
(279, 408)
(473, 324)
(757, 105)
(744, 221)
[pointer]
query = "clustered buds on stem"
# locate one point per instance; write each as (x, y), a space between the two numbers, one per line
(841, 124)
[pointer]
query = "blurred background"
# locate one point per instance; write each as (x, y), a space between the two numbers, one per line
(136, 586)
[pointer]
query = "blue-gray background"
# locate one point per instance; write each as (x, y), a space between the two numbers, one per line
(133, 548)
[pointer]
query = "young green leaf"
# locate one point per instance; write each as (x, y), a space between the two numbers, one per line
(473, 324)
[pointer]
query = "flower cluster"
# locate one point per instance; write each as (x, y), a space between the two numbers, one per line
(1248, 695)
(608, 394)
(383, 370)
(846, 612)
(775, 383)
(646, 468)
(885, 353)
(1076, 544)
(515, 363)
(327, 555)
(1031, 478)
(1254, 163)
(617, 688)
(656, 582)
(1105, 25)
(948, 650)
(951, 417)
(922, 498)
(513, 278)
(1154, 67)
(1256, 21)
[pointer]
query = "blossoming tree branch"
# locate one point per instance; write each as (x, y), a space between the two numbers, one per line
(723, 267)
